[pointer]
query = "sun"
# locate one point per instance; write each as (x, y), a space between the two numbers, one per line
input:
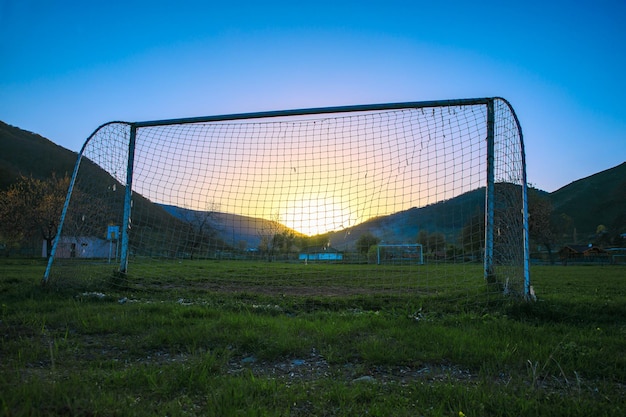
(315, 216)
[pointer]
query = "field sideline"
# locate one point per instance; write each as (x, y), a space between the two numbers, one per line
(168, 344)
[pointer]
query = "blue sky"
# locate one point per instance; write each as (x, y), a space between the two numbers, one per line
(67, 67)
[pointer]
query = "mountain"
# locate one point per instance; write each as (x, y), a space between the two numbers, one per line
(404, 226)
(26, 153)
(599, 199)
(232, 228)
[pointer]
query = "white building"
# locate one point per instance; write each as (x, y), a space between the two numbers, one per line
(84, 247)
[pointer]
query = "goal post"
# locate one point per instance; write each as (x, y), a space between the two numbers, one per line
(266, 185)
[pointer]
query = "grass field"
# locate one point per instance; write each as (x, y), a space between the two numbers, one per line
(179, 344)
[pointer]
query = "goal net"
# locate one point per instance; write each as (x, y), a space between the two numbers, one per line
(293, 201)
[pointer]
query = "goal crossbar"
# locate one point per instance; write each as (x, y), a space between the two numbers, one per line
(323, 110)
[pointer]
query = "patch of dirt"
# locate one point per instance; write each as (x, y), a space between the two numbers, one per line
(316, 367)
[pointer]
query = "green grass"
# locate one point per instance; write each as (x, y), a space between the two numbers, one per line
(181, 345)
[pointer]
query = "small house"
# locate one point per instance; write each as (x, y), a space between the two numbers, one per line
(85, 247)
(617, 255)
(320, 253)
(589, 253)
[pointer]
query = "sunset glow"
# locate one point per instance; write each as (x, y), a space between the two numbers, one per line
(316, 216)
(314, 175)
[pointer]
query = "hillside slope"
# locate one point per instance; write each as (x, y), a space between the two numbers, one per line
(26, 153)
(446, 217)
(599, 199)
(232, 228)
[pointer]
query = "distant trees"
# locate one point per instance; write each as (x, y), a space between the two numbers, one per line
(267, 235)
(32, 207)
(200, 227)
(472, 237)
(431, 242)
(541, 228)
(365, 242)
(284, 241)
(313, 241)
(602, 236)
(275, 238)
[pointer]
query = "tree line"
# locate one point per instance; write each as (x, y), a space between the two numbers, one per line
(30, 209)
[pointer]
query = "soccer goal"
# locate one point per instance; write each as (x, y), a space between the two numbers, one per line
(401, 254)
(262, 191)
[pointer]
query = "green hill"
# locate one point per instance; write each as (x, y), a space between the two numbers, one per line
(26, 153)
(599, 199)
(447, 217)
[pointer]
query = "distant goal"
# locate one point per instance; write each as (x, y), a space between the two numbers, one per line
(446, 180)
(399, 254)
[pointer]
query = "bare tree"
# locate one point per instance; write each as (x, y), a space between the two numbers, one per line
(201, 230)
(32, 207)
(541, 228)
(269, 234)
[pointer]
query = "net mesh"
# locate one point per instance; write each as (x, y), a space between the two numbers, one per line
(298, 204)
